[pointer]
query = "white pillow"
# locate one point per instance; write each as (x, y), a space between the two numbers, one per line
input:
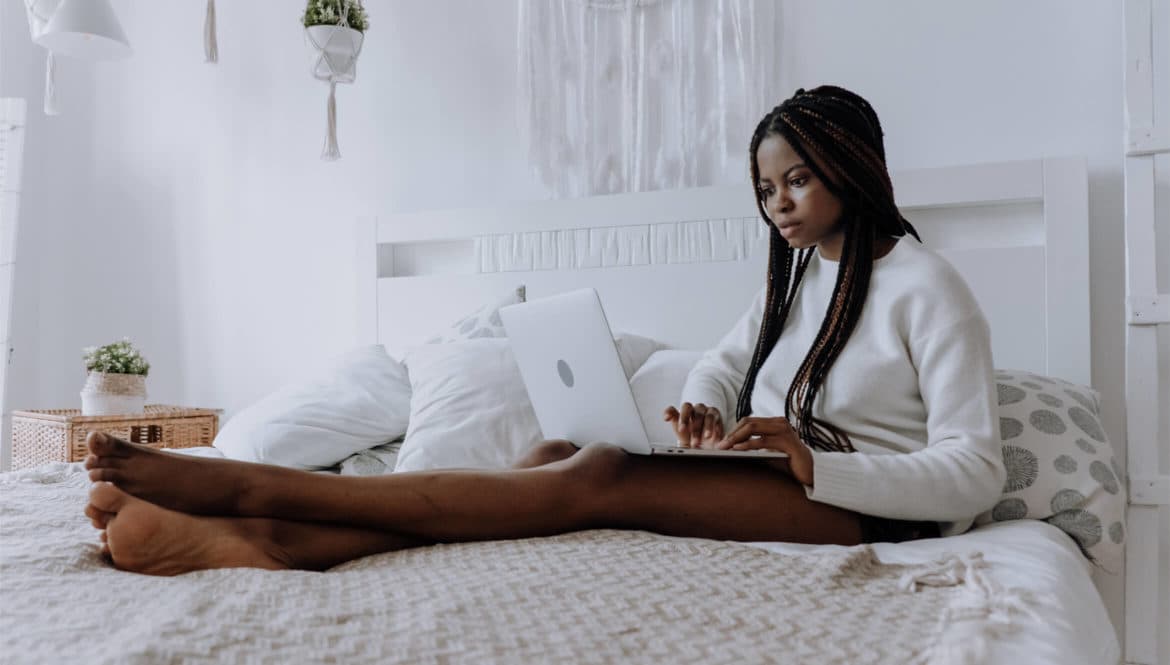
(1060, 465)
(659, 384)
(483, 322)
(361, 401)
(469, 407)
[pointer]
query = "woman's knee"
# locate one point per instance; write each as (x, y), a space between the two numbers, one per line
(546, 452)
(598, 465)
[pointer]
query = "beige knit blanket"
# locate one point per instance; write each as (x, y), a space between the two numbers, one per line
(603, 596)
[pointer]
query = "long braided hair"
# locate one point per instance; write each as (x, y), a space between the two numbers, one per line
(843, 131)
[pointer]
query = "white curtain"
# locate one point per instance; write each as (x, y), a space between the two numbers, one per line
(631, 95)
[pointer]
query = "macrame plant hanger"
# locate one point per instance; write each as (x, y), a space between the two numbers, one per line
(210, 42)
(334, 51)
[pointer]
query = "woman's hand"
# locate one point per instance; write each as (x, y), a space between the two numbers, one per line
(772, 434)
(695, 425)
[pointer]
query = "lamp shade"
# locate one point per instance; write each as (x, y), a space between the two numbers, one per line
(85, 29)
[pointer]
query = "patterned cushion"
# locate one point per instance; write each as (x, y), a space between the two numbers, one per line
(1060, 466)
(483, 322)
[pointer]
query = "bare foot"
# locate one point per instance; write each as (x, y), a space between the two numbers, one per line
(144, 538)
(194, 485)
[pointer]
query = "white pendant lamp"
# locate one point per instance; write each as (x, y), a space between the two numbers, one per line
(85, 29)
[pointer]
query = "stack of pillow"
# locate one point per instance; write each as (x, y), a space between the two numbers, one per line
(459, 402)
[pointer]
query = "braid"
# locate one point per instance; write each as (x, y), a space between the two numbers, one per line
(843, 131)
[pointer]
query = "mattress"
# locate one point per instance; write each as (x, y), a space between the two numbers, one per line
(475, 602)
(1071, 624)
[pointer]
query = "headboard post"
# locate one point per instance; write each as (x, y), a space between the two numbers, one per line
(1066, 224)
(366, 271)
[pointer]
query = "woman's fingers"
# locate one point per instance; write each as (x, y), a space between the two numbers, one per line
(712, 426)
(695, 425)
(677, 420)
(759, 443)
(698, 425)
(750, 427)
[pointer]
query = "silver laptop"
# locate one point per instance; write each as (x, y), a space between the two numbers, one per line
(570, 365)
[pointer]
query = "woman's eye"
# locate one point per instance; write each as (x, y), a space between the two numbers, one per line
(765, 193)
(798, 182)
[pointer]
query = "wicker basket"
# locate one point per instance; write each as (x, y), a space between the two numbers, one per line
(58, 435)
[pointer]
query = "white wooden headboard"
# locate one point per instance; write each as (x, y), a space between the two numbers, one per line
(683, 265)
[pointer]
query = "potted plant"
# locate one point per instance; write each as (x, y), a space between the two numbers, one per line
(116, 383)
(334, 33)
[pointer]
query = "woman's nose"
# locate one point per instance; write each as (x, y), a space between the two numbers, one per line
(782, 204)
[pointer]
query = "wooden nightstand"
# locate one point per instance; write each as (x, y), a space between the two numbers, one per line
(58, 435)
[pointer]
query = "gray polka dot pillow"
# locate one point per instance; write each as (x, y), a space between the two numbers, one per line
(1060, 466)
(483, 322)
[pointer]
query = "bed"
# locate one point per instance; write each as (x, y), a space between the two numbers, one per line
(1012, 591)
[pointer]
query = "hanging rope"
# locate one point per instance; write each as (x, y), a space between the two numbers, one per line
(51, 85)
(210, 43)
(331, 152)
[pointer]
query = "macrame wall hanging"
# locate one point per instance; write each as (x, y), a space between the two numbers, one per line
(632, 95)
(334, 33)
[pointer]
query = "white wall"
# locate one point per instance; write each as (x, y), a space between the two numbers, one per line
(183, 204)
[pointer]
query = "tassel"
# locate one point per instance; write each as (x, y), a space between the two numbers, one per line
(984, 610)
(51, 86)
(331, 151)
(210, 44)
(949, 570)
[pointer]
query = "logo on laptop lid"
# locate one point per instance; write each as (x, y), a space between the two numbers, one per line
(566, 373)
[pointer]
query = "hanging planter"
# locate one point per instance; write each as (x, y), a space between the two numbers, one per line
(39, 13)
(87, 29)
(334, 33)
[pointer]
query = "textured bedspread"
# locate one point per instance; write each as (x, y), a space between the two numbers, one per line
(591, 597)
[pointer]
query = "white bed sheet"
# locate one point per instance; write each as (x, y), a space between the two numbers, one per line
(1035, 556)
(1030, 554)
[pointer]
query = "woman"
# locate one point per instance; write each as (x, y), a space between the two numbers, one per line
(897, 441)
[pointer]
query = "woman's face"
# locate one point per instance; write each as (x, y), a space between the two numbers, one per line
(798, 204)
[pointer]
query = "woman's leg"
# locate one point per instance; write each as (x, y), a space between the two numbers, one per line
(142, 537)
(600, 486)
(154, 540)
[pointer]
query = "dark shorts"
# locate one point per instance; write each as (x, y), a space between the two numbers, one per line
(886, 530)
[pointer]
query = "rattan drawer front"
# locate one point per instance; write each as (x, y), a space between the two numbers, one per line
(58, 435)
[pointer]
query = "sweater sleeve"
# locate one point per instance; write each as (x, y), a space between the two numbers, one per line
(960, 472)
(718, 376)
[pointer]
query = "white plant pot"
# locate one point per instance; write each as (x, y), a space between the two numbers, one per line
(113, 394)
(333, 52)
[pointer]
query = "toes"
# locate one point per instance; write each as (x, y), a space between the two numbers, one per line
(98, 517)
(104, 445)
(103, 462)
(104, 475)
(107, 497)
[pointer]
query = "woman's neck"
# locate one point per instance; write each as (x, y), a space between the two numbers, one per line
(881, 246)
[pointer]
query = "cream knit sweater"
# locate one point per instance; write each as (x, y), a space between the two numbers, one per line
(913, 388)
